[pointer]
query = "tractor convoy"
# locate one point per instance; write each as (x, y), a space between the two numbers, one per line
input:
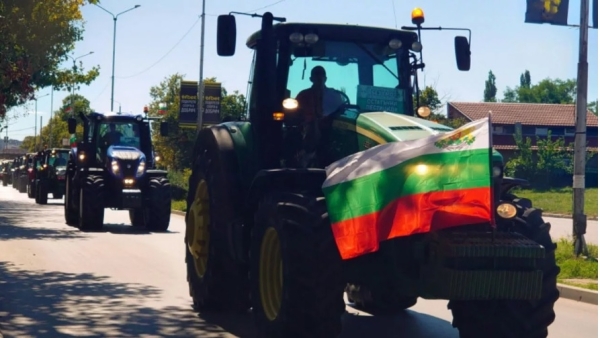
(258, 232)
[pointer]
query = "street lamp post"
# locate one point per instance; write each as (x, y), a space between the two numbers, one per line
(112, 89)
(35, 123)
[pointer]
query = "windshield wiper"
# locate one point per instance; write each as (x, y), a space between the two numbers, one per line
(374, 57)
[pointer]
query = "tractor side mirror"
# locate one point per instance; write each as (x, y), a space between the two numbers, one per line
(164, 129)
(226, 35)
(72, 125)
(462, 50)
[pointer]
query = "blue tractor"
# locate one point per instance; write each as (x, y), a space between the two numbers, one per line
(114, 166)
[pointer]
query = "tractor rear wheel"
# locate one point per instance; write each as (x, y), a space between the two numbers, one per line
(521, 318)
(137, 217)
(41, 193)
(31, 189)
(23, 184)
(217, 281)
(91, 203)
(158, 208)
(296, 278)
(71, 213)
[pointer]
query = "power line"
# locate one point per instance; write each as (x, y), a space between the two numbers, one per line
(159, 60)
(267, 6)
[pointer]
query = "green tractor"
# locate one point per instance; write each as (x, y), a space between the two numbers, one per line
(258, 233)
(51, 174)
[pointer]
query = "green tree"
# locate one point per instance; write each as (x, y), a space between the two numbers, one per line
(593, 107)
(555, 91)
(35, 38)
(489, 93)
(429, 97)
(57, 128)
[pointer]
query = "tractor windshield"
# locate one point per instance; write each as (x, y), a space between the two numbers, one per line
(125, 134)
(58, 159)
(369, 76)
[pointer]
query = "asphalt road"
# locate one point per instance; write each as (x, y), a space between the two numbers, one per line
(58, 282)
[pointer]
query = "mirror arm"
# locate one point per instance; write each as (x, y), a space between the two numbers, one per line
(414, 28)
(279, 19)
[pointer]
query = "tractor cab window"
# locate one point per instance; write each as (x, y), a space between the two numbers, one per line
(118, 134)
(58, 159)
(364, 77)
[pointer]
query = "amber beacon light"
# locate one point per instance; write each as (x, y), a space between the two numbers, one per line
(417, 16)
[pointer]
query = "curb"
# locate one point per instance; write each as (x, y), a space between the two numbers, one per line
(578, 294)
(566, 291)
(589, 218)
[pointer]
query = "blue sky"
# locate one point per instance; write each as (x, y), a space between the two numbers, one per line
(152, 44)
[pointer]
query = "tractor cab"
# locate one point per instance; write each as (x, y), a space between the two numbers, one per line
(332, 90)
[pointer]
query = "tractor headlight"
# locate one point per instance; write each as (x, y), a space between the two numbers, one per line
(506, 210)
(497, 171)
(81, 156)
(114, 166)
(141, 169)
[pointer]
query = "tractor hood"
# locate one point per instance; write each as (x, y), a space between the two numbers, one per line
(384, 127)
(125, 153)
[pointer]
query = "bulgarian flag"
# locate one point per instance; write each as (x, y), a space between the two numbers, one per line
(404, 188)
(73, 140)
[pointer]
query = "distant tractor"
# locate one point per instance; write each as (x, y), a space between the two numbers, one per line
(50, 176)
(258, 231)
(32, 172)
(114, 166)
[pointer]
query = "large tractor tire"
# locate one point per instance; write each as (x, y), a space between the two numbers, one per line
(137, 217)
(502, 318)
(217, 282)
(31, 189)
(23, 184)
(71, 212)
(159, 204)
(41, 193)
(383, 301)
(91, 203)
(297, 285)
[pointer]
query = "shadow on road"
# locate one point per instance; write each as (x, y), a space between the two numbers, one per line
(127, 229)
(55, 304)
(18, 220)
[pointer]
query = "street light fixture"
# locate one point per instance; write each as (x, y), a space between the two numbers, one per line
(112, 90)
(35, 125)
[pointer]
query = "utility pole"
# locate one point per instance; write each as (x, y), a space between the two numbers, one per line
(51, 108)
(579, 218)
(200, 108)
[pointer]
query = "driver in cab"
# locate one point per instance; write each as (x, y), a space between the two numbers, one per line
(318, 101)
(315, 104)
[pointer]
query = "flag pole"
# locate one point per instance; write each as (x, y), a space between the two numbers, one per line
(491, 171)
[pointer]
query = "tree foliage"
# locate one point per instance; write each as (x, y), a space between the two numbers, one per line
(176, 149)
(57, 129)
(545, 168)
(548, 90)
(35, 38)
(429, 97)
(489, 93)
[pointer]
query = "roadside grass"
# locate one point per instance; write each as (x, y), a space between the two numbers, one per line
(560, 201)
(179, 205)
(577, 271)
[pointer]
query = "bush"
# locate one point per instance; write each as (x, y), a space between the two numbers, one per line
(179, 183)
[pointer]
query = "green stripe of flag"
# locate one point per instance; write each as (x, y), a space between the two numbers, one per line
(426, 173)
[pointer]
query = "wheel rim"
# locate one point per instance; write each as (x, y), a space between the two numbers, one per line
(198, 221)
(271, 274)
